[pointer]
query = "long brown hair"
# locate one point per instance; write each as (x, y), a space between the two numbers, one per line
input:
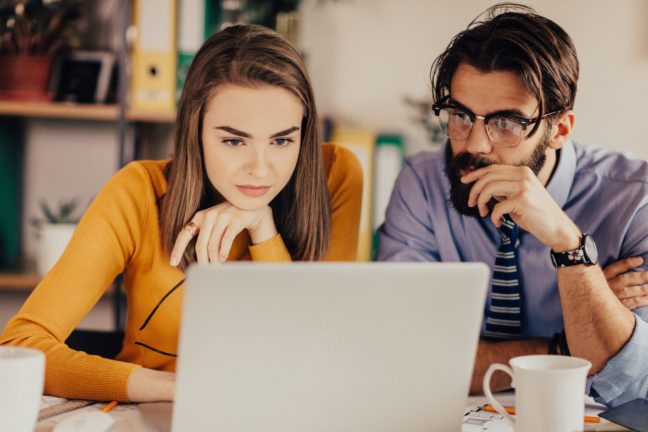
(247, 55)
(512, 37)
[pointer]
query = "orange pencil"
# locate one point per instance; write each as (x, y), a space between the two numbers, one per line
(588, 419)
(108, 407)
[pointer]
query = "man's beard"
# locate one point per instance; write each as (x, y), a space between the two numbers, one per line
(459, 191)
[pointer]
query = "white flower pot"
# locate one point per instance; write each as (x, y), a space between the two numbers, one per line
(53, 241)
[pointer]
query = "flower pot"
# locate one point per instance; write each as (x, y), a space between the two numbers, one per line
(25, 78)
(53, 241)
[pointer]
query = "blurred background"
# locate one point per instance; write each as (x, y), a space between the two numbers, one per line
(114, 69)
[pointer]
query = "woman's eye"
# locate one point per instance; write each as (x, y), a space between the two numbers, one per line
(233, 142)
(282, 141)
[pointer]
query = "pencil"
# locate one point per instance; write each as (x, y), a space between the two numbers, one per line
(108, 407)
(588, 419)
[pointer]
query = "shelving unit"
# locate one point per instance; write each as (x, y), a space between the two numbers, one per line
(19, 281)
(80, 112)
(28, 279)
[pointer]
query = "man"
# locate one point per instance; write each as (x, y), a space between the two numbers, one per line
(512, 190)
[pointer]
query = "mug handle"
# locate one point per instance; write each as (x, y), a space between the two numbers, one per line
(487, 391)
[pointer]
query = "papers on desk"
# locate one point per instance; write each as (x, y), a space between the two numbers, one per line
(477, 420)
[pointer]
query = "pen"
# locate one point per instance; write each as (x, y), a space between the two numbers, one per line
(108, 407)
(588, 419)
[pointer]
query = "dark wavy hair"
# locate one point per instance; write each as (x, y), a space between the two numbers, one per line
(514, 38)
(247, 55)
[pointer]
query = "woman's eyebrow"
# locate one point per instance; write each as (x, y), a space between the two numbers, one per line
(242, 134)
(233, 131)
(285, 132)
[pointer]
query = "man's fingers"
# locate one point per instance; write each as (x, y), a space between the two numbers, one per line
(501, 189)
(631, 291)
(504, 207)
(622, 266)
(635, 302)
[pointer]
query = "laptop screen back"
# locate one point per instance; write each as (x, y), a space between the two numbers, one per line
(328, 346)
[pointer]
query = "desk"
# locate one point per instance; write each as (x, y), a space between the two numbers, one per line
(156, 417)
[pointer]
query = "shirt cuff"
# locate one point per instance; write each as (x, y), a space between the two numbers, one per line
(271, 250)
(625, 376)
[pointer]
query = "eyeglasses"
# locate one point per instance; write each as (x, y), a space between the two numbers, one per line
(505, 130)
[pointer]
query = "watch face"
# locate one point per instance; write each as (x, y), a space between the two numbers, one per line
(591, 253)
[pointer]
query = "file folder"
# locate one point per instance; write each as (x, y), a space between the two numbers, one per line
(154, 56)
(361, 143)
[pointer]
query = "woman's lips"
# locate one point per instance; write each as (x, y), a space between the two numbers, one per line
(253, 191)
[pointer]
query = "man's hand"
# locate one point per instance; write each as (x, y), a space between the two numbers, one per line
(219, 226)
(627, 285)
(526, 201)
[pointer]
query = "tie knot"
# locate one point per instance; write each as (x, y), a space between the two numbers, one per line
(508, 231)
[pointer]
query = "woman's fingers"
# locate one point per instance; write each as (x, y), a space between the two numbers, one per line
(217, 228)
(202, 242)
(228, 239)
(216, 236)
(184, 237)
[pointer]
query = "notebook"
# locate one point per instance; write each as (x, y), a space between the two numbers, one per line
(342, 347)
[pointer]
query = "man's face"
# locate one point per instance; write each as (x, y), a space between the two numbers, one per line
(488, 93)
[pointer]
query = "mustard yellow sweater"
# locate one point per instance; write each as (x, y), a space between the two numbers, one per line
(119, 233)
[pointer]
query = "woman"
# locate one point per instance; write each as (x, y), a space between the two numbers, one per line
(248, 181)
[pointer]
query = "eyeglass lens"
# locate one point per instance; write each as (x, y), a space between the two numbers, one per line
(456, 124)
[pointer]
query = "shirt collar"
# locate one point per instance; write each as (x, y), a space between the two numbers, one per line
(563, 177)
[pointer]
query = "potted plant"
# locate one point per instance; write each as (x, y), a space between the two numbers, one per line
(32, 32)
(54, 230)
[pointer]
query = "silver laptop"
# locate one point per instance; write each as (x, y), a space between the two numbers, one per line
(335, 347)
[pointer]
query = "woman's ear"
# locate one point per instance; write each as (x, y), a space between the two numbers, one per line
(561, 129)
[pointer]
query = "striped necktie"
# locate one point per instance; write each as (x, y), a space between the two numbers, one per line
(503, 316)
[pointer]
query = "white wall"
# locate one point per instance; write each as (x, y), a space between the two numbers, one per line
(364, 56)
(64, 159)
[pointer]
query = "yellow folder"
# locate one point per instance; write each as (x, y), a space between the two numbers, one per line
(153, 73)
(361, 143)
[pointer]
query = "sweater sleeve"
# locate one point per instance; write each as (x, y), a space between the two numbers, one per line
(272, 250)
(104, 240)
(345, 188)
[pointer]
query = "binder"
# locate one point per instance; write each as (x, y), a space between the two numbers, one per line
(388, 161)
(195, 25)
(361, 143)
(154, 56)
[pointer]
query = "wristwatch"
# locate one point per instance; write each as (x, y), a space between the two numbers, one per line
(585, 254)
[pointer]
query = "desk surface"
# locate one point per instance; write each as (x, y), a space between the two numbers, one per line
(156, 417)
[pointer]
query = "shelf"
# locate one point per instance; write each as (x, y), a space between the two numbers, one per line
(80, 111)
(18, 281)
(26, 282)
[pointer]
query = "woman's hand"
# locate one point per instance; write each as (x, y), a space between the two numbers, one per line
(628, 287)
(148, 385)
(218, 227)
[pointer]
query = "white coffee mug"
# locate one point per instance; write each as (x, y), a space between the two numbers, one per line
(22, 371)
(549, 392)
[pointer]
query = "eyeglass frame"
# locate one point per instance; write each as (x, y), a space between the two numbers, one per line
(524, 122)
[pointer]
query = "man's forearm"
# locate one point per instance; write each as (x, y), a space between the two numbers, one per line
(597, 324)
(501, 352)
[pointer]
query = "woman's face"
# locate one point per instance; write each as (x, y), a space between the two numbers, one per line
(251, 138)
